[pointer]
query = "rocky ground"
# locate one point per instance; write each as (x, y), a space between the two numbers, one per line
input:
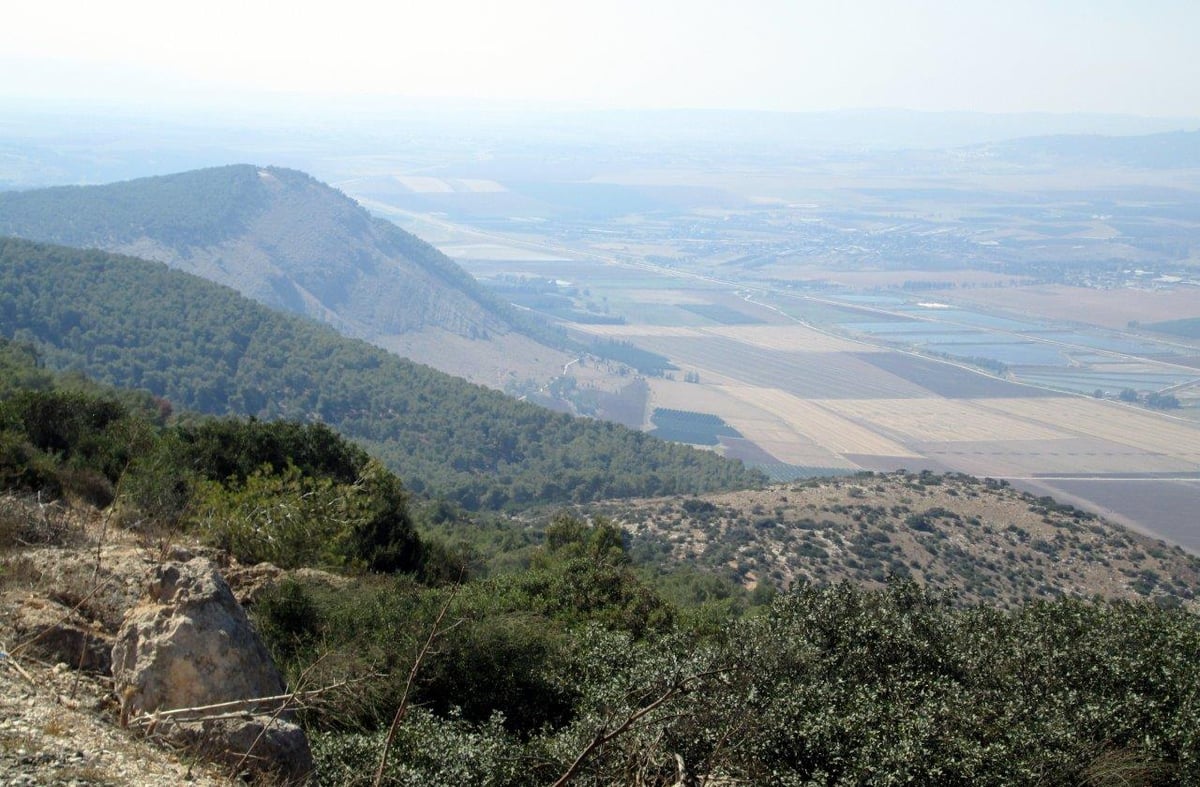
(57, 727)
(66, 582)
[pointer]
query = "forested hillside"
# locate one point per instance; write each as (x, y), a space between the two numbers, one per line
(573, 666)
(203, 347)
(282, 238)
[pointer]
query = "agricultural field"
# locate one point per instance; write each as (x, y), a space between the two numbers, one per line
(829, 390)
(824, 394)
(840, 317)
(690, 426)
(1122, 424)
(949, 380)
(777, 338)
(1109, 308)
(1163, 507)
(1015, 459)
(806, 374)
(938, 420)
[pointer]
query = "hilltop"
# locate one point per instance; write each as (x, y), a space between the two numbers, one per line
(286, 240)
(832, 683)
(979, 539)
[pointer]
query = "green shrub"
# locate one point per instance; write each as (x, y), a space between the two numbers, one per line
(292, 520)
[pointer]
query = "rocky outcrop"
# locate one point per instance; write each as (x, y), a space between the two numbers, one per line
(189, 647)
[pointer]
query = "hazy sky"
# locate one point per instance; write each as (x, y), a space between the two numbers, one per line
(1120, 56)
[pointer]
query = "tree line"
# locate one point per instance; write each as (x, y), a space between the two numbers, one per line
(577, 666)
(202, 347)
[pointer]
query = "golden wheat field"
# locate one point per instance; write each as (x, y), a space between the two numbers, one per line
(823, 427)
(939, 420)
(1159, 434)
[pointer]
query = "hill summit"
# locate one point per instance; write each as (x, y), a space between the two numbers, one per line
(291, 242)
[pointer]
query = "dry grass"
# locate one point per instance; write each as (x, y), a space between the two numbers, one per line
(939, 420)
(19, 571)
(27, 521)
(57, 725)
(821, 426)
(1159, 434)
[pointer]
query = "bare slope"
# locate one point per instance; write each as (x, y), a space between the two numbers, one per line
(293, 243)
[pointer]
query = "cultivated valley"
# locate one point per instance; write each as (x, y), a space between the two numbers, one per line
(649, 449)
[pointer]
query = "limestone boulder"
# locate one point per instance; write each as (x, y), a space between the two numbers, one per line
(190, 646)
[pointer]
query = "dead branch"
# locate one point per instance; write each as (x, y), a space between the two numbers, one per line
(291, 698)
(233, 707)
(434, 632)
(677, 688)
(6, 657)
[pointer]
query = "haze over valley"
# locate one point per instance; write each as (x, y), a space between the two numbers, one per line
(1000, 310)
(631, 393)
(1014, 308)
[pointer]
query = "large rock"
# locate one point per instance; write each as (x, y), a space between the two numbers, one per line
(191, 646)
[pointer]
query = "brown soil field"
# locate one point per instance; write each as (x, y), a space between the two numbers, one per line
(949, 380)
(820, 375)
(1164, 507)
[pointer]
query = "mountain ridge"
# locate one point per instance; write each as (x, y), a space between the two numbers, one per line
(284, 239)
(136, 323)
(1164, 150)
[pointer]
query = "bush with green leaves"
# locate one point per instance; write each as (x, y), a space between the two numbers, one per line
(68, 442)
(838, 685)
(431, 751)
(506, 647)
(293, 520)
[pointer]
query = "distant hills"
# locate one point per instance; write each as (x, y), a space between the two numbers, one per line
(1170, 150)
(138, 324)
(292, 243)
